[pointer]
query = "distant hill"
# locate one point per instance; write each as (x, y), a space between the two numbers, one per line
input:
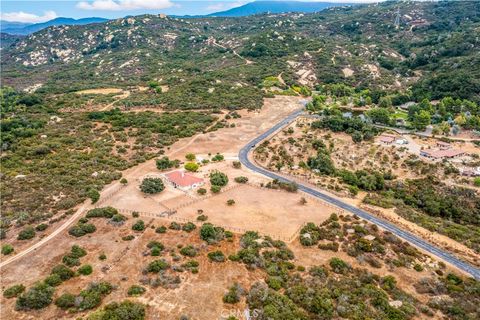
(258, 7)
(24, 29)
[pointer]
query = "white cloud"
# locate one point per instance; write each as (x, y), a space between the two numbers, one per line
(226, 5)
(21, 16)
(117, 5)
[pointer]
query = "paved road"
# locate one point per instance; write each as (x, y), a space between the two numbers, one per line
(420, 243)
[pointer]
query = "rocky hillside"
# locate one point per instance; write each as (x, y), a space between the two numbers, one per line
(357, 45)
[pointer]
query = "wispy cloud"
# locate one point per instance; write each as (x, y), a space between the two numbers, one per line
(118, 5)
(25, 17)
(226, 5)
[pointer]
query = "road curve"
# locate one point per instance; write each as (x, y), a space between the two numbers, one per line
(407, 236)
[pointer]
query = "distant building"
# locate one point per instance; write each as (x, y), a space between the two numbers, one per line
(471, 172)
(183, 180)
(443, 145)
(386, 138)
(442, 154)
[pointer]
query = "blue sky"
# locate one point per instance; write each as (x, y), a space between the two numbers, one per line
(34, 11)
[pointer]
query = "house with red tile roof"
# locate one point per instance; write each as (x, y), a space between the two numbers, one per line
(183, 180)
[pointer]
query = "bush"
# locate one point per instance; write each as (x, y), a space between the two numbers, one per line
(215, 189)
(230, 202)
(105, 212)
(237, 164)
(126, 310)
(64, 272)
(233, 294)
(161, 229)
(189, 251)
(85, 270)
(339, 266)
(175, 226)
(102, 257)
(155, 244)
(241, 179)
(94, 195)
(41, 227)
(65, 301)
(53, 280)
(191, 166)
(136, 290)
(139, 226)
(118, 218)
(218, 157)
(7, 249)
(202, 191)
(82, 229)
(216, 256)
(189, 227)
(476, 181)
(128, 238)
(157, 265)
(190, 156)
(13, 291)
(274, 282)
(218, 178)
(202, 217)
(211, 234)
(37, 297)
(152, 185)
(165, 163)
(77, 251)
(26, 234)
(123, 181)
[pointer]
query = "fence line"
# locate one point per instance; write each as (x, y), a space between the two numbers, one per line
(172, 217)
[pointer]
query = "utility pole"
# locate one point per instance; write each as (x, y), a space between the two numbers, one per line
(397, 18)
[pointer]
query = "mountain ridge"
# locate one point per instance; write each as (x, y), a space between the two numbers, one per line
(31, 28)
(275, 7)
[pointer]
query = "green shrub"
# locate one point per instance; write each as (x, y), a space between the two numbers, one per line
(175, 226)
(274, 282)
(191, 166)
(65, 301)
(85, 270)
(136, 290)
(128, 238)
(189, 251)
(233, 294)
(218, 178)
(189, 227)
(139, 225)
(105, 212)
(26, 234)
(41, 227)
(7, 249)
(161, 229)
(215, 189)
(202, 217)
(82, 229)
(216, 256)
(64, 272)
(152, 185)
(241, 179)
(202, 191)
(37, 297)
(211, 234)
(157, 265)
(126, 310)
(230, 202)
(53, 280)
(13, 291)
(339, 266)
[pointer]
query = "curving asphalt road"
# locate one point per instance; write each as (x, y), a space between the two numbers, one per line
(420, 243)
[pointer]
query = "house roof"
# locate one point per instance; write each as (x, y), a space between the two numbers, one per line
(387, 139)
(441, 143)
(449, 153)
(182, 178)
